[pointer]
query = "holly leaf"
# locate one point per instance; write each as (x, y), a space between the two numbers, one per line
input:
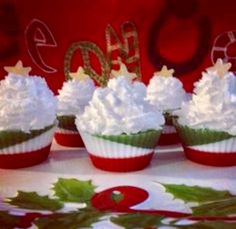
(31, 200)
(208, 225)
(8, 221)
(73, 190)
(196, 193)
(81, 219)
(137, 220)
(216, 208)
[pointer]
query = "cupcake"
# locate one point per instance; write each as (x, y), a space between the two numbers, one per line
(72, 99)
(207, 123)
(166, 93)
(27, 118)
(119, 128)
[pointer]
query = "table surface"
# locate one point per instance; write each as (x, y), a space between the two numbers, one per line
(168, 166)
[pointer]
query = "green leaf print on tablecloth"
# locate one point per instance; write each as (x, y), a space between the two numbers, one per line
(31, 200)
(72, 190)
(73, 220)
(196, 193)
(216, 208)
(208, 202)
(137, 220)
(209, 225)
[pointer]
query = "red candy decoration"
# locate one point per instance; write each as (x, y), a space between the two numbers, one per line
(129, 196)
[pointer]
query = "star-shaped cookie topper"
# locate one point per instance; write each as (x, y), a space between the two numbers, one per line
(165, 72)
(79, 74)
(18, 69)
(220, 68)
(123, 71)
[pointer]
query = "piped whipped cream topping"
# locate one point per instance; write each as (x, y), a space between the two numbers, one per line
(26, 103)
(213, 103)
(74, 96)
(119, 108)
(166, 93)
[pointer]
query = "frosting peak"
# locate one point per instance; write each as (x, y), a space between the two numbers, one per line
(74, 96)
(213, 104)
(26, 103)
(119, 108)
(166, 93)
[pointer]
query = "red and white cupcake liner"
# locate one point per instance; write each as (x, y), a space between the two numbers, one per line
(68, 138)
(117, 157)
(121, 164)
(27, 153)
(210, 158)
(21, 160)
(222, 153)
(208, 147)
(169, 136)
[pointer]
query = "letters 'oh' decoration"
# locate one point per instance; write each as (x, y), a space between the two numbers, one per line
(126, 49)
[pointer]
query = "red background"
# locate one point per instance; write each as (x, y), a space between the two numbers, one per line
(177, 40)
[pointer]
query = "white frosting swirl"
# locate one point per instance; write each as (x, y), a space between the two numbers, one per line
(74, 96)
(26, 103)
(213, 104)
(166, 93)
(119, 108)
